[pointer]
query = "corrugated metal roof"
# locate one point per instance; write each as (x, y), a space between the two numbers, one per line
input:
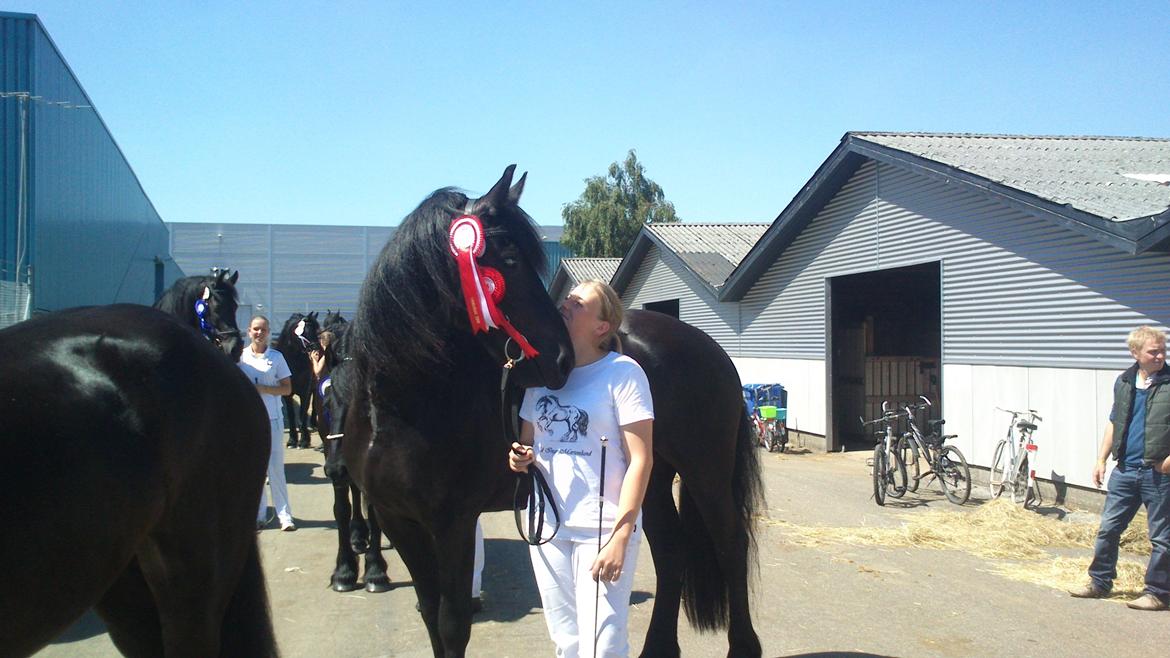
(583, 269)
(712, 251)
(1092, 174)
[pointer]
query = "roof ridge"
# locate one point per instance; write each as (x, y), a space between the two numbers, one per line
(694, 224)
(887, 133)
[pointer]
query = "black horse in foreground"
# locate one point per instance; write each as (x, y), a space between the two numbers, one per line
(297, 338)
(207, 304)
(354, 534)
(140, 463)
(431, 450)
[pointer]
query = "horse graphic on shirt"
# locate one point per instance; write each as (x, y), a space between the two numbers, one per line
(552, 411)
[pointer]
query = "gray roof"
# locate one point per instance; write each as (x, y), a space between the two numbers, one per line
(1086, 173)
(583, 269)
(710, 251)
(1091, 185)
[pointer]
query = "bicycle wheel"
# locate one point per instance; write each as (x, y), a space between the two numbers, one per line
(1019, 481)
(950, 467)
(879, 475)
(908, 451)
(999, 468)
(896, 479)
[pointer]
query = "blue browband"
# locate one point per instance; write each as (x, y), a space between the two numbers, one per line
(205, 327)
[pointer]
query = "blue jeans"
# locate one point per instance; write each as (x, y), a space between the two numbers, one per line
(1129, 489)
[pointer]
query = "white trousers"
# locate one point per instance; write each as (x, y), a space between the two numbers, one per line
(569, 594)
(276, 479)
(477, 573)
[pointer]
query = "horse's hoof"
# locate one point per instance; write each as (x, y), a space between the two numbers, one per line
(378, 585)
(359, 547)
(342, 585)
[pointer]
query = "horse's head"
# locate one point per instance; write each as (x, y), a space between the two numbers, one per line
(458, 269)
(214, 305)
(332, 320)
(300, 333)
(510, 266)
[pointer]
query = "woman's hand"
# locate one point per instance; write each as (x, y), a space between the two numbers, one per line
(317, 362)
(519, 457)
(610, 560)
(1165, 467)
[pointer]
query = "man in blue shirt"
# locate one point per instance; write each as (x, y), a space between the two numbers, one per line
(1138, 437)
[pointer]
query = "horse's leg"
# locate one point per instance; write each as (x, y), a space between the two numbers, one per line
(193, 589)
(291, 416)
(665, 533)
(131, 616)
(344, 578)
(377, 580)
(418, 552)
(456, 563)
(306, 396)
(359, 530)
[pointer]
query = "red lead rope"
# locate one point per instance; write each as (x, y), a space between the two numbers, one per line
(483, 288)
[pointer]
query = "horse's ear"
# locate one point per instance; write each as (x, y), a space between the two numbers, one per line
(234, 277)
(517, 190)
(498, 195)
(220, 275)
(313, 315)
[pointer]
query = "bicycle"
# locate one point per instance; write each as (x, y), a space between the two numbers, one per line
(1015, 458)
(945, 464)
(889, 471)
(770, 429)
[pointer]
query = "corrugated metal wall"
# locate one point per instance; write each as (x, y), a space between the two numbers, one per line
(95, 236)
(284, 269)
(1017, 290)
(662, 276)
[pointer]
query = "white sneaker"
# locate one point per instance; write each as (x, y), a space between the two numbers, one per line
(288, 526)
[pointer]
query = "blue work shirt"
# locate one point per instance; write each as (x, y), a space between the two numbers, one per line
(1135, 434)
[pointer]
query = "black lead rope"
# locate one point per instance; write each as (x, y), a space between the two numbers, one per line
(539, 494)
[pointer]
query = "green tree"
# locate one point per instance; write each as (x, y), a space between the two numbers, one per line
(605, 219)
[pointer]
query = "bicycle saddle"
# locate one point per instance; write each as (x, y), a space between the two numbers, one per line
(1025, 425)
(935, 424)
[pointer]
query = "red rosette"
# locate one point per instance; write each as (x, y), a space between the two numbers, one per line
(466, 236)
(493, 283)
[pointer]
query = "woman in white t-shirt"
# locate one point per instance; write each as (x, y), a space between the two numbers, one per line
(607, 397)
(269, 373)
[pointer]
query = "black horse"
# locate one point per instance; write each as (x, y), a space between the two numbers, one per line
(431, 448)
(208, 304)
(137, 441)
(354, 534)
(295, 347)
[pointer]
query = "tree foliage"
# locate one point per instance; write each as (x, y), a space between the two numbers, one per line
(605, 219)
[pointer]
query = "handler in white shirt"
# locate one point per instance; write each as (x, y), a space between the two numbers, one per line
(268, 370)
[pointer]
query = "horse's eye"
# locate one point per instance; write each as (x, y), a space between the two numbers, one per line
(510, 262)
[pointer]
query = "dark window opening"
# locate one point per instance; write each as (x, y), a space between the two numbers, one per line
(669, 307)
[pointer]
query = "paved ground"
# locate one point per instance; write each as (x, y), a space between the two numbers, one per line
(808, 601)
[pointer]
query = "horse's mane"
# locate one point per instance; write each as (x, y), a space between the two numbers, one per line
(179, 299)
(411, 299)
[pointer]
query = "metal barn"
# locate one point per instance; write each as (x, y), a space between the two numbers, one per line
(77, 227)
(985, 270)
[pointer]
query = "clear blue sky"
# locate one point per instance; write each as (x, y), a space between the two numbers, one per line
(352, 112)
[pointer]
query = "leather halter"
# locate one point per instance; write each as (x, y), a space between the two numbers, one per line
(539, 494)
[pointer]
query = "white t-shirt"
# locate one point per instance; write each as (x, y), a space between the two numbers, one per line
(267, 369)
(568, 425)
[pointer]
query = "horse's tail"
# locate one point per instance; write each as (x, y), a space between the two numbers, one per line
(247, 622)
(705, 587)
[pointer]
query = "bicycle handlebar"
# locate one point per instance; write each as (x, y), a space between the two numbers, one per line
(1017, 414)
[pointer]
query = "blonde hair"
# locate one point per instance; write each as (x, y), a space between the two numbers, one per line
(611, 311)
(1143, 334)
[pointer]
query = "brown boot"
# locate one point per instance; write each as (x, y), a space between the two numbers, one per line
(1089, 591)
(1148, 601)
